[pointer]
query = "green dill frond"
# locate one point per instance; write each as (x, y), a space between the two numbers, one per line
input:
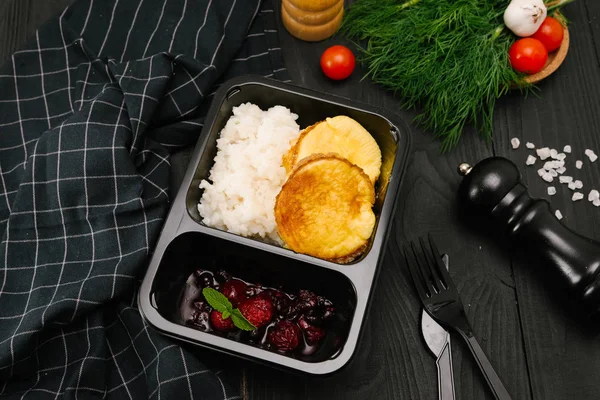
(447, 57)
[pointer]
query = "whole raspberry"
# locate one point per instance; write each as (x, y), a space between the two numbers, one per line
(257, 310)
(220, 324)
(285, 336)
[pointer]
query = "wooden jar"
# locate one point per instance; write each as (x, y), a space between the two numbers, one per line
(312, 20)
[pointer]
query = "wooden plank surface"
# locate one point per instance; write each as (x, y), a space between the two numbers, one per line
(562, 352)
(19, 20)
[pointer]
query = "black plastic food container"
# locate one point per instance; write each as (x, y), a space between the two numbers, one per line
(186, 244)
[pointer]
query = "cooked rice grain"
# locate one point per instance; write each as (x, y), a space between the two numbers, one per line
(247, 174)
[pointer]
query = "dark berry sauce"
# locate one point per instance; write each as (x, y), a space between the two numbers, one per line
(291, 324)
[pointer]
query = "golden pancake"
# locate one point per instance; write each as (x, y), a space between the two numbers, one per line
(341, 135)
(325, 208)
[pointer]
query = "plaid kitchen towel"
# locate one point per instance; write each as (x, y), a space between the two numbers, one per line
(90, 112)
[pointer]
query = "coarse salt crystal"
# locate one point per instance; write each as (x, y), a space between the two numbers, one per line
(561, 170)
(593, 195)
(561, 156)
(592, 156)
(530, 160)
(578, 164)
(554, 164)
(543, 153)
(558, 214)
(541, 172)
(530, 145)
(553, 173)
(567, 149)
(565, 179)
(547, 177)
(551, 190)
(553, 153)
(578, 184)
(589, 152)
(572, 186)
(515, 143)
(596, 202)
(577, 196)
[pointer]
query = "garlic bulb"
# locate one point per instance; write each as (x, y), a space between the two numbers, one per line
(524, 17)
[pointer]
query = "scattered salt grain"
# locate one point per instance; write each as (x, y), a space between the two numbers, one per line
(578, 164)
(558, 214)
(594, 195)
(567, 149)
(561, 170)
(530, 160)
(577, 196)
(541, 172)
(596, 203)
(572, 186)
(553, 153)
(565, 179)
(543, 153)
(578, 184)
(547, 177)
(551, 190)
(561, 156)
(530, 145)
(515, 143)
(591, 155)
(553, 173)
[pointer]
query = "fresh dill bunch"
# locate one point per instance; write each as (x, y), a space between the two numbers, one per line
(449, 57)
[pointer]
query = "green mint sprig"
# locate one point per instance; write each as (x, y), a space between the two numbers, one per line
(219, 302)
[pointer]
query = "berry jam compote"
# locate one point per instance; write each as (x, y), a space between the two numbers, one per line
(291, 324)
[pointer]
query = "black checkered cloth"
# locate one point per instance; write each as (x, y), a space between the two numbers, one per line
(91, 111)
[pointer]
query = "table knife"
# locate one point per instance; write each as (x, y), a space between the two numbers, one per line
(438, 341)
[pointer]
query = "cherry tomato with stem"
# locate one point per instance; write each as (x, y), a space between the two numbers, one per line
(550, 33)
(338, 62)
(528, 55)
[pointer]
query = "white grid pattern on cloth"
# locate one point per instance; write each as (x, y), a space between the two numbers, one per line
(85, 185)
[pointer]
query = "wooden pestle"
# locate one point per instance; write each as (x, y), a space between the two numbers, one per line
(312, 20)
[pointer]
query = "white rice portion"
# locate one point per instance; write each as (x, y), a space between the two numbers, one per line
(247, 174)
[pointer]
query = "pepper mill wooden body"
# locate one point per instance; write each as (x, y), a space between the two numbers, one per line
(493, 188)
(312, 20)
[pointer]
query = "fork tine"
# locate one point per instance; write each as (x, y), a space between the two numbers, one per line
(431, 261)
(440, 267)
(415, 274)
(423, 268)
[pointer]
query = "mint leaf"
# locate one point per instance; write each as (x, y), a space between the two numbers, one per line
(240, 321)
(225, 314)
(217, 300)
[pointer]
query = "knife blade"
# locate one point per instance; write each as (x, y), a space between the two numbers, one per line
(438, 342)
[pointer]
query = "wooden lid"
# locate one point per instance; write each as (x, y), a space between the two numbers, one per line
(310, 32)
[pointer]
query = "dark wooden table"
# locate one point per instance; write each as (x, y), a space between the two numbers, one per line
(537, 347)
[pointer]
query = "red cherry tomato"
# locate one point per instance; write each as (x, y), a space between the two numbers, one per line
(550, 33)
(337, 62)
(528, 55)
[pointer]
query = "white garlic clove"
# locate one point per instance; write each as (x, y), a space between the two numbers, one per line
(524, 17)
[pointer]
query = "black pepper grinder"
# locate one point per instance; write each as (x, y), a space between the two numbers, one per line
(492, 188)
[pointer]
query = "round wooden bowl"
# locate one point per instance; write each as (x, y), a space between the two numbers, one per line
(555, 59)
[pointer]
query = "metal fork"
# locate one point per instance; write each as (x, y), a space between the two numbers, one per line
(440, 298)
